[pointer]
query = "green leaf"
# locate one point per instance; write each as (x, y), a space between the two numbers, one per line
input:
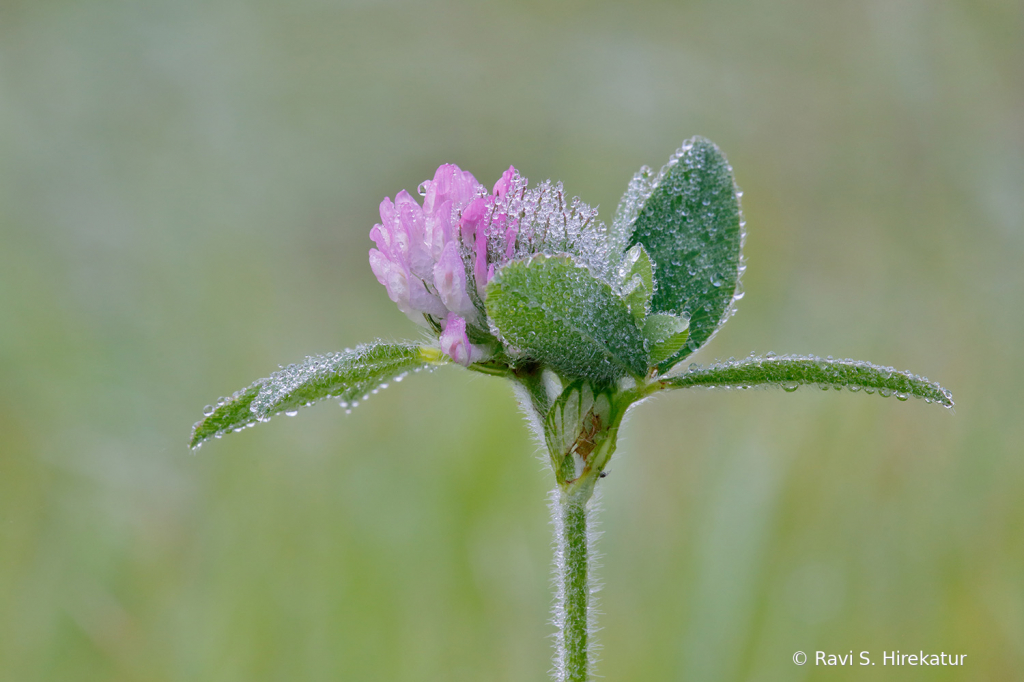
(791, 372)
(555, 311)
(230, 414)
(637, 276)
(666, 333)
(347, 376)
(690, 225)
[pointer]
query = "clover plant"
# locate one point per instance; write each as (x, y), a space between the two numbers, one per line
(584, 320)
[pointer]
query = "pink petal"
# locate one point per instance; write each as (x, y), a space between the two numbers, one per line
(510, 239)
(412, 224)
(450, 183)
(450, 282)
(394, 278)
(439, 228)
(454, 342)
(480, 262)
(473, 220)
(503, 184)
(422, 301)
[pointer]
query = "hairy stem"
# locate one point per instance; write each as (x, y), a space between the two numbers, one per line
(572, 611)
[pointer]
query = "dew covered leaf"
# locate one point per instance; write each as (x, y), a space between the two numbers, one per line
(555, 311)
(347, 376)
(690, 225)
(230, 414)
(791, 372)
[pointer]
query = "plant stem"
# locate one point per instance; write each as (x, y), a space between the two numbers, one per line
(572, 613)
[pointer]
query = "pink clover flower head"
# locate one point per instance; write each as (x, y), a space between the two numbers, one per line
(410, 242)
(430, 257)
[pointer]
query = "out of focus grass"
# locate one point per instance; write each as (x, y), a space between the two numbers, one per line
(185, 194)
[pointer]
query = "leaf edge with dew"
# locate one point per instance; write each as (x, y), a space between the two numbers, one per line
(789, 372)
(347, 375)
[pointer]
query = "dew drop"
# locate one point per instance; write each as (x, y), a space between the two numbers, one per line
(291, 413)
(208, 410)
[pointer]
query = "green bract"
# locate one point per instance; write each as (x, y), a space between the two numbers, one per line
(556, 312)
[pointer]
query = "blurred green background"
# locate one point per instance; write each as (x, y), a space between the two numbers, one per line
(185, 194)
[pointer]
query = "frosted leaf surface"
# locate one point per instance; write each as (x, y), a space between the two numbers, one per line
(691, 226)
(551, 309)
(789, 372)
(349, 376)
